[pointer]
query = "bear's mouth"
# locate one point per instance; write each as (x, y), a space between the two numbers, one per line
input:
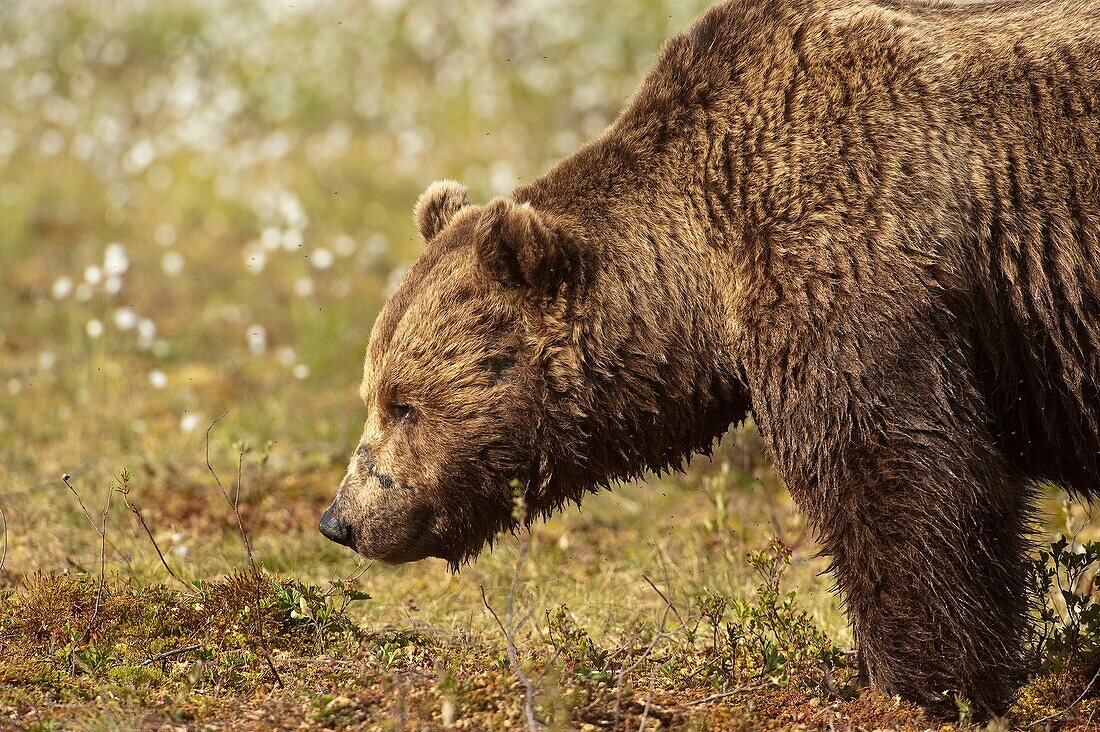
(420, 549)
(401, 542)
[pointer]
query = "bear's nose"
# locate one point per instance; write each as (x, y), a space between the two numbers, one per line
(334, 529)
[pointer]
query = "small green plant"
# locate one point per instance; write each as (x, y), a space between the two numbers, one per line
(789, 645)
(1067, 624)
(965, 709)
(519, 501)
(716, 487)
(573, 644)
(391, 648)
(725, 643)
(324, 611)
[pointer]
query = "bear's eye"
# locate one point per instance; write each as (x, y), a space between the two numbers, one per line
(400, 413)
(498, 365)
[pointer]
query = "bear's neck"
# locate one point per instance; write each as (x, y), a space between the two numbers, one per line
(657, 379)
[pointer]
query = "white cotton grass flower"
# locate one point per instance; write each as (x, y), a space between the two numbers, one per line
(94, 328)
(172, 263)
(502, 176)
(276, 145)
(84, 146)
(62, 288)
(93, 274)
(321, 258)
(189, 422)
(147, 333)
(140, 156)
(14, 386)
(292, 240)
(286, 356)
(301, 371)
(292, 211)
(126, 319)
(344, 245)
(271, 238)
(158, 379)
(396, 275)
(257, 340)
(83, 292)
(377, 245)
(50, 143)
(255, 259)
(47, 360)
(8, 141)
(115, 260)
(165, 235)
(303, 287)
(112, 285)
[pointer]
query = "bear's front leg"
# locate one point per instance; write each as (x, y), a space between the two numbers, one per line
(933, 570)
(926, 529)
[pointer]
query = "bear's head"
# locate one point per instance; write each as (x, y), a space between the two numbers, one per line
(456, 380)
(526, 359)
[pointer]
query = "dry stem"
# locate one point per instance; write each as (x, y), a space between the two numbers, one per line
(4, 555)
(141, 520)
(256, 577)
(508, 630)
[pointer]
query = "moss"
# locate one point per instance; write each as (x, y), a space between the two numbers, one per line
(67, 637)
(136, 676)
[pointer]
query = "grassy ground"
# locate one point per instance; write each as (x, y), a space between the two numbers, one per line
(202, 206)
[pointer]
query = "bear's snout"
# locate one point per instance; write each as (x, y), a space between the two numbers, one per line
(334, 529)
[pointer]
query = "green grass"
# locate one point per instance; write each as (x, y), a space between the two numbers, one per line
(258, 164)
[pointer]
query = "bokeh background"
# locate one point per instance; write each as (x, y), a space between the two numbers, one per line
(203, 205)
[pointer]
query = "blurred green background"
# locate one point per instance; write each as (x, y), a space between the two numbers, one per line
(204, 204)
(202, 207)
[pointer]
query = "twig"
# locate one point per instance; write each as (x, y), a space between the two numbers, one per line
(209, 466)
(170, 654)
(667, 601)
(513, 657)
(141, 519)
(1075, 702)
(645, 654)
(233, 502)
(648, 700)
(102, 550)
(533, 723)
(256, 576)
(724, 694)
(338, 585)
(65, 477)
(354, 576)
(237, 491)
(4, 556)
(315, 661)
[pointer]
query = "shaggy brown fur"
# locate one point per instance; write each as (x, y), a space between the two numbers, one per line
(875, 226)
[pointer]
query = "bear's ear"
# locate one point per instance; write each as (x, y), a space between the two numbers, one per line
(438, 205)
(525, 248)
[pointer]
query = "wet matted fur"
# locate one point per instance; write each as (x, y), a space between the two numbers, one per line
(875, 226)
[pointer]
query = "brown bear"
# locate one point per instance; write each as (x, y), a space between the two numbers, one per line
(874, 226)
